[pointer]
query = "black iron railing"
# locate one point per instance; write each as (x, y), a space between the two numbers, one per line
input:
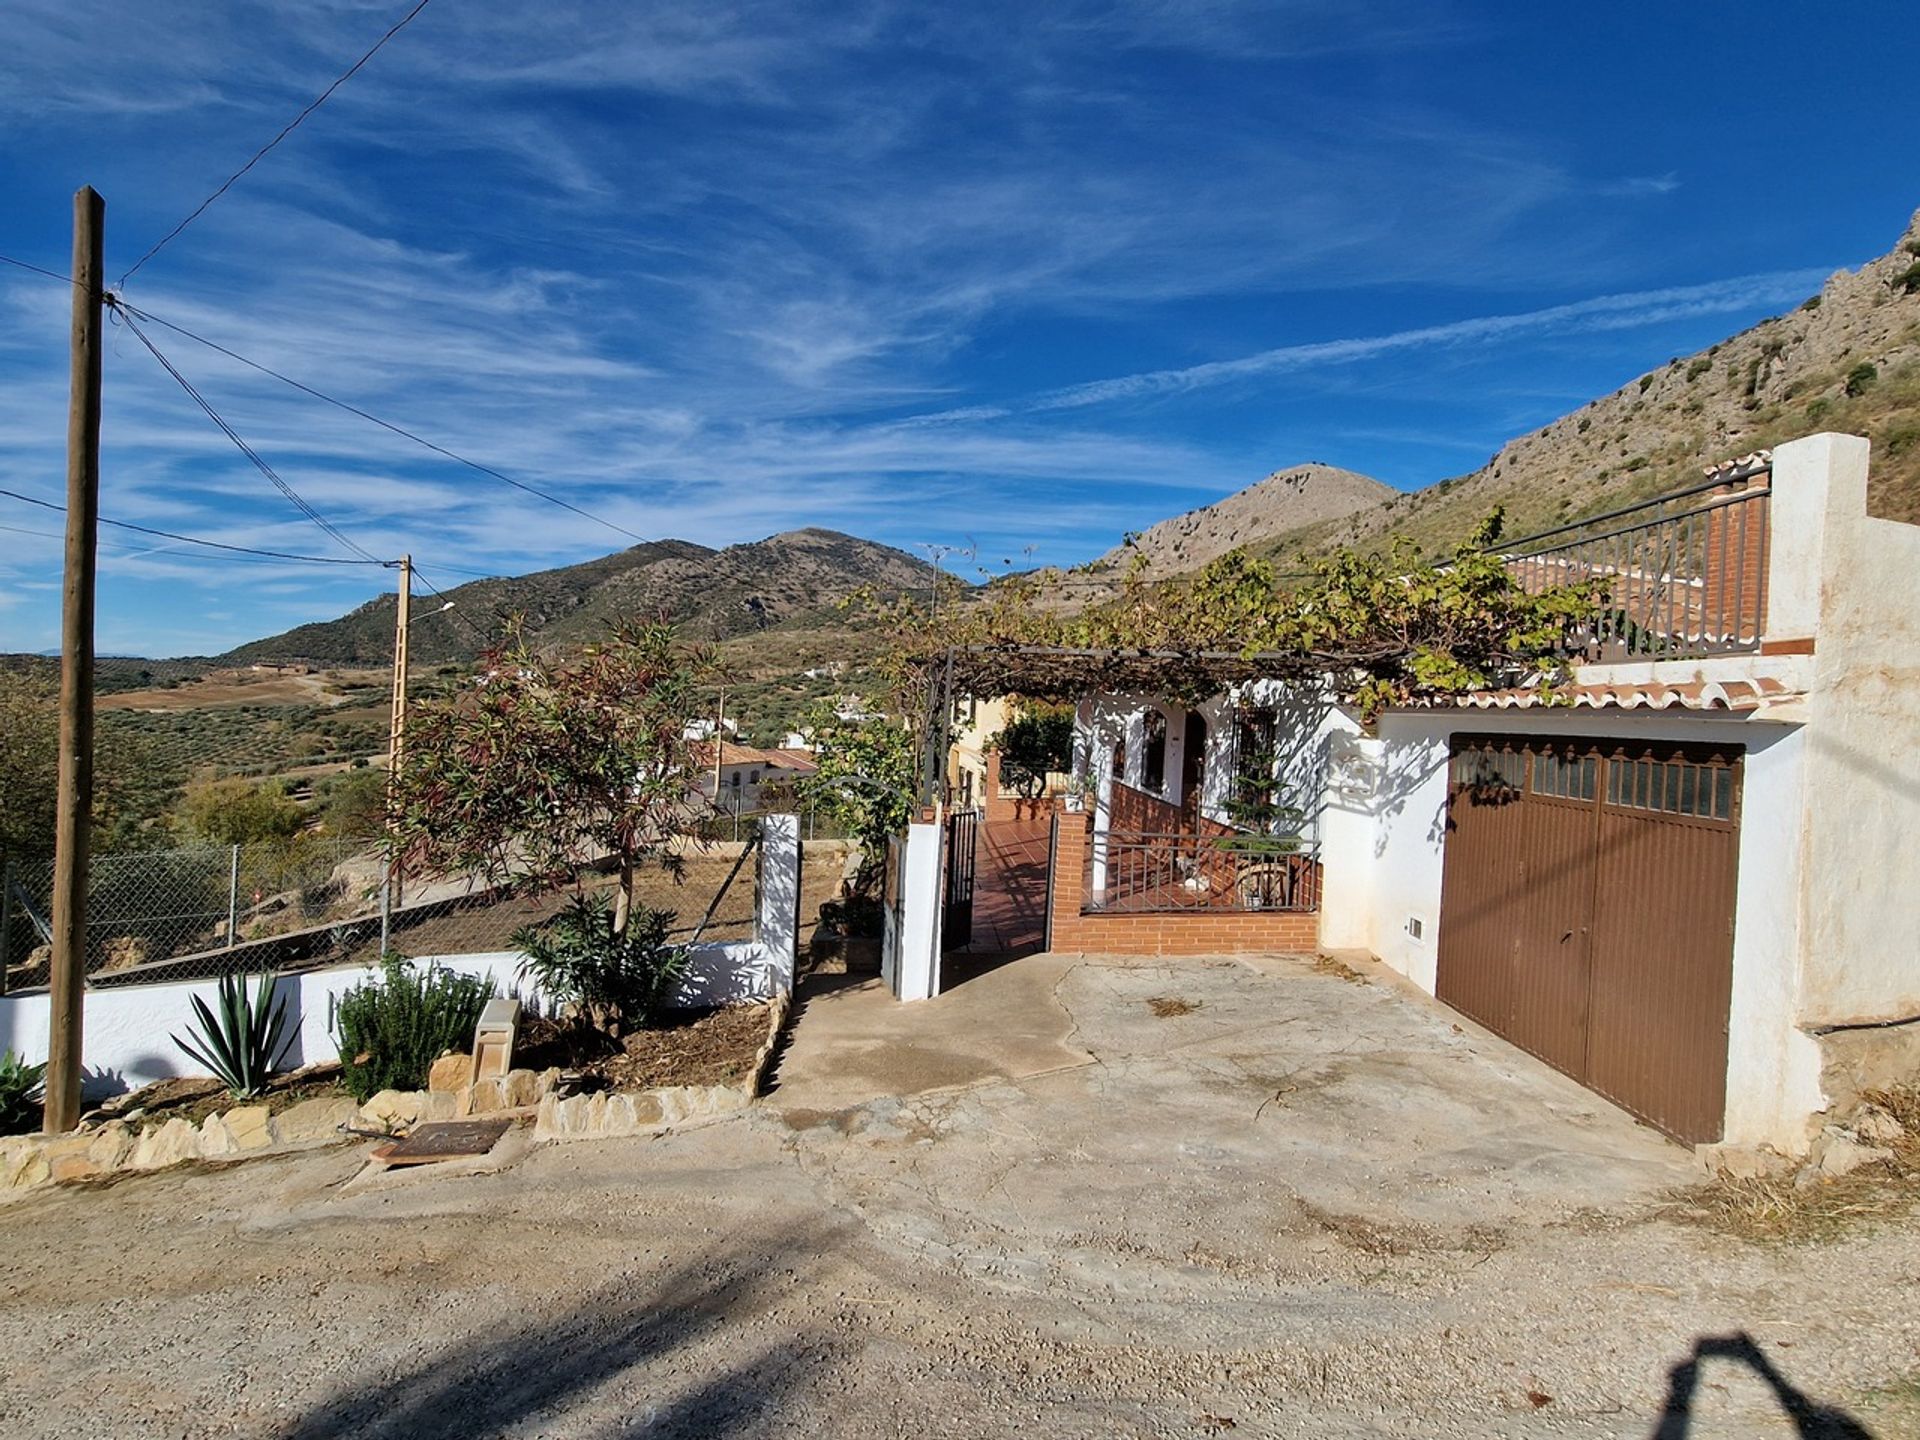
(1681, 576)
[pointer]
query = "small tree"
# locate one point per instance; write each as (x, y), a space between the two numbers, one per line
(1036, 742)
(546, 766)
(238, 812)
(866, 777)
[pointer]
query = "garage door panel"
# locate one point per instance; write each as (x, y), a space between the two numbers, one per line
(1658, 1041)
(1548, 939)
(1587, 913)
(1482, 866)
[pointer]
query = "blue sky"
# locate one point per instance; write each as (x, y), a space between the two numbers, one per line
(1021, 276)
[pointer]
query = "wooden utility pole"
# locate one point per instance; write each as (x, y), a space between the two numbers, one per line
(74, 815)
(397, 720)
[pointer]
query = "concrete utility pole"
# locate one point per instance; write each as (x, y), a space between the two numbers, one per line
(74, 814)
(397, 719)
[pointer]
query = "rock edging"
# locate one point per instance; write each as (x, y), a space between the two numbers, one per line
(30, 1161)
(609, 1115)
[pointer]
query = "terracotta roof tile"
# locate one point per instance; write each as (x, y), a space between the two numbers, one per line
(1726, 695)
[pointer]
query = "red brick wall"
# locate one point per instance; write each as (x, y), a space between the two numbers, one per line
(1135, 812)
(1217, 933)
(1733, 593)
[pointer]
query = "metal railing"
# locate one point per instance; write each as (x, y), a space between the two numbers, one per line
(1680, 576)
(1177, 872)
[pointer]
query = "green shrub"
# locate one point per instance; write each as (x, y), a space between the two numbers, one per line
(613, 981)
(1861, 379)
(391, 1030)
(1817, 410)
(1699, 367)
(19, 1094)
(1812, 302)
(1645, 381)
(243, 1042)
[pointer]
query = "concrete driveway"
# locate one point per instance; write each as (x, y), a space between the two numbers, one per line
(1284, 1204)
(1357, 1092)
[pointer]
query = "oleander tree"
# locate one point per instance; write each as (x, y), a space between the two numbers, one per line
(551, 763)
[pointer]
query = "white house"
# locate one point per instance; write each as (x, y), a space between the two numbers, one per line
(1683, 883)
(744, 771)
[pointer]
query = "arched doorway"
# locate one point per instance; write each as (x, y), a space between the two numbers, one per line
(1193, 765)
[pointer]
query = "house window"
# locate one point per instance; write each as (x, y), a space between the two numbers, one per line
(754, 778)
(734, 779)
(1153, 756)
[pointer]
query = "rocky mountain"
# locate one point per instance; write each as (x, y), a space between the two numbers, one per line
(1848, 359)
(709, 594)
(1264, 513)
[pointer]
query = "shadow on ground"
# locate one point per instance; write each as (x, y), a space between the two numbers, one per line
(561, 1373)
(1811, 1420)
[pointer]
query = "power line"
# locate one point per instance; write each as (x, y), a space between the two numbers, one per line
(387, 425)
(290, 127)
(191, 539)
(245, 449)
(452, 608)
(40, 270)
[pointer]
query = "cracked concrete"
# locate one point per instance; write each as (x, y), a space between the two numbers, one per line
(1304, 1207)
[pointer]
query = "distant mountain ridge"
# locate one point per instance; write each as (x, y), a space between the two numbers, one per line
(709, 594)
(1285, 502)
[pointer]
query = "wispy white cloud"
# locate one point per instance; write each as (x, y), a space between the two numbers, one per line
(1601, 312)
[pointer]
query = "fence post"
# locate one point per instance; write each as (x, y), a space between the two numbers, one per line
(386, 914)
(6, 926)
(233, 899)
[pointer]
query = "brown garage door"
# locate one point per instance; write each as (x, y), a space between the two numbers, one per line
(1587, 913)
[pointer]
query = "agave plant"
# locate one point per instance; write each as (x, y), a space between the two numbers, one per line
(249, 1036)
(19, 1093)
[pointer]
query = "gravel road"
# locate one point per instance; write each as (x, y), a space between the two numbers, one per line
(1306, 1207)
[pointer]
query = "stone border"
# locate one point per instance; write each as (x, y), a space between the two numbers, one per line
(28, 1162)
(611, 1114)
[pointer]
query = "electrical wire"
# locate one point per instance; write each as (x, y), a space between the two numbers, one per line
(452, 609)
(40, 270)
(247, 450)
(194, 539)
(387, 425)
(259, 154)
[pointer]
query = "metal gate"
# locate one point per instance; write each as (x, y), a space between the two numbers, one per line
(1587, 913)
(956, 900)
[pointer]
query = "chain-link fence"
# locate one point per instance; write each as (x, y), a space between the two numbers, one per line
(193, 913)
(816, 822)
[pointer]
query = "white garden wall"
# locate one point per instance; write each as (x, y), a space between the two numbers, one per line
(126, 1030)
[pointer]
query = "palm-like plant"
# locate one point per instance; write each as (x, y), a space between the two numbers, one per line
(249, 1036)
(20, 1085)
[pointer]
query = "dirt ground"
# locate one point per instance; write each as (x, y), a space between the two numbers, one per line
(1035, 1206)
(697, 1047)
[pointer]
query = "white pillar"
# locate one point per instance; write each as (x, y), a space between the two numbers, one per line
(777, 900)
(917, 968)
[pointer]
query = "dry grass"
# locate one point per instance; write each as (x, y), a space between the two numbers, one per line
(1789, 1209)
(1334, 965)
(1166, 1007)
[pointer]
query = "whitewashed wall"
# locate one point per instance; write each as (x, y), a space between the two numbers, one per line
(127, 1030)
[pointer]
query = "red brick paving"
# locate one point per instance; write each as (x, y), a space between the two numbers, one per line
(1010, 887)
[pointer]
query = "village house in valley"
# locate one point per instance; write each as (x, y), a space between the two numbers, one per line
(744, 771)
